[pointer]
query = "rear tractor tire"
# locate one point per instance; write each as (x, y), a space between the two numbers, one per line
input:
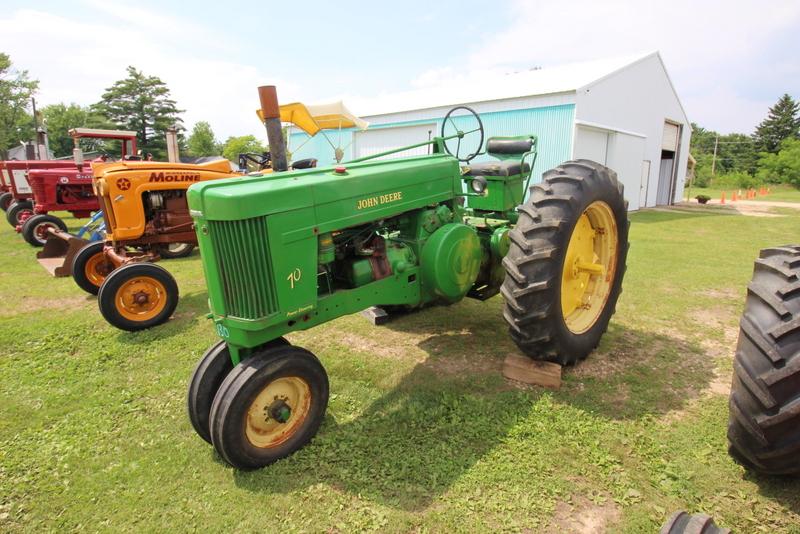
(175, 250)
(764, 424)
(566, 261)
(270, 405)
(17, 212)
(90, 267)
(5, 200)
(683, 523)
(34, 229)
(138, 296)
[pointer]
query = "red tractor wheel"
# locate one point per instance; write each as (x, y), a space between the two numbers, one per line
(17, 212)
(35, 228)
(5, 200)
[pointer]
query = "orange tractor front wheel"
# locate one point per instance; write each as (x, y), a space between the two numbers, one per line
(138, 296)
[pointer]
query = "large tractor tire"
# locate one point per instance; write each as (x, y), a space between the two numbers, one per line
(34, 229)
(18, 212)
(5, 200)
(176, 250)
(566, 261)
(269, 406)
(764, 425)
(683, 523)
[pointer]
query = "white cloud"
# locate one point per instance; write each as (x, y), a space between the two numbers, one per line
(76, 59)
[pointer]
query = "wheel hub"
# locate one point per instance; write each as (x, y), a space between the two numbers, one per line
(589, 267)
(278, 411)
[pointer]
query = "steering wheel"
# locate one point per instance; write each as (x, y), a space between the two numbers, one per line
(458, 127)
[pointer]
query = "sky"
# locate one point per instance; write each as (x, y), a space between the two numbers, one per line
(728, 60)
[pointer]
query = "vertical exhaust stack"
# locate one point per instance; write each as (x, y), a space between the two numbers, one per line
(172, 144)
(272, 121)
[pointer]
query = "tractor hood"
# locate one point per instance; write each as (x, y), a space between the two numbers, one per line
(350, 194)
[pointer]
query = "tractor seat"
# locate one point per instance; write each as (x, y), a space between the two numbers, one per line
(498, 168)
(307, 163)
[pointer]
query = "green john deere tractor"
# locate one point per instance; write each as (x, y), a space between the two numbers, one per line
(288, 251)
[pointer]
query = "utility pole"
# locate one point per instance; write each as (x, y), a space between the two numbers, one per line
(714, 159)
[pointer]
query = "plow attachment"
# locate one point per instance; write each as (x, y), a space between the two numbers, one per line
(59, 251)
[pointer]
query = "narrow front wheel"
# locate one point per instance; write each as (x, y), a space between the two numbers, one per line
(269, 406)
(138, 296)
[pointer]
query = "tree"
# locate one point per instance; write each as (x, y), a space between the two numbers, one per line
(16, 90)
(783, 167)
(59, 118)
(781, 123)
(143, 104)
(239, 145)
(202, 141)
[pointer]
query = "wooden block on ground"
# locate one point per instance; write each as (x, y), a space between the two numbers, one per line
(375, 315)
(523, 369)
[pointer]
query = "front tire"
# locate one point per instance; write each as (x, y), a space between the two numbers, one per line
(269, 406)
(34, 229)
(5, 200)
(764, 424)
(566, 261)
(138, 296)
(17, 212)
(207, 377)
(90, 267)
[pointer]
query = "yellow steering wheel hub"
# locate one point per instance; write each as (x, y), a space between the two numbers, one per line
(589, 267)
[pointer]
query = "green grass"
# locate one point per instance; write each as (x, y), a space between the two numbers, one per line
(778, 193)
(422, 433)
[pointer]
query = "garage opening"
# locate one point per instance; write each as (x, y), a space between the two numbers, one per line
(669, 155)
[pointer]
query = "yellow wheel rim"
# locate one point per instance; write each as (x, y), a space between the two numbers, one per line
(589, 267)
(141, 298)
(97, 268)
(278, 412)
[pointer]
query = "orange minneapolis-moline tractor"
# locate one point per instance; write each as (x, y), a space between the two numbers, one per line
(147, 218)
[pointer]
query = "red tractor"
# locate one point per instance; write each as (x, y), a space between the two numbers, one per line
(64, 188)
(17, 192)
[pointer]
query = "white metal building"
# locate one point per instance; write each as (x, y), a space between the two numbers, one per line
(623, 112)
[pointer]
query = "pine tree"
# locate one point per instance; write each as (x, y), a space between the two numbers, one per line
(143, 104)
(781, 123)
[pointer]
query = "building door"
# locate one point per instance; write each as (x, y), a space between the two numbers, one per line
(643, 186)
(666, 175)
(374, 141)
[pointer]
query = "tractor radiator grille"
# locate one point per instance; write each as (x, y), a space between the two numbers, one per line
(242, 251)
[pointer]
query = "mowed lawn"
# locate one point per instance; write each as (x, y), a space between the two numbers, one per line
(422, 432)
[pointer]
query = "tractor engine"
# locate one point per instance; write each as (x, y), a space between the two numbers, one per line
(165, 211)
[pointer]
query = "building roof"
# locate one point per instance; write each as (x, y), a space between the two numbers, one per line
(488, 86)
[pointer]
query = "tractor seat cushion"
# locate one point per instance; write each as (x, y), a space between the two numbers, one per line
(307, 163)
(498, 168)
(508, 146)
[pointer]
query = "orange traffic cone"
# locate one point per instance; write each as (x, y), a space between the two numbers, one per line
(722, 198)
(734, 198)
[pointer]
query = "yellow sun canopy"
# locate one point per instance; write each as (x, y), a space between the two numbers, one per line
(311, 119)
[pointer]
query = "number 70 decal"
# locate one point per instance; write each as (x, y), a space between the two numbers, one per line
(294, 277)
